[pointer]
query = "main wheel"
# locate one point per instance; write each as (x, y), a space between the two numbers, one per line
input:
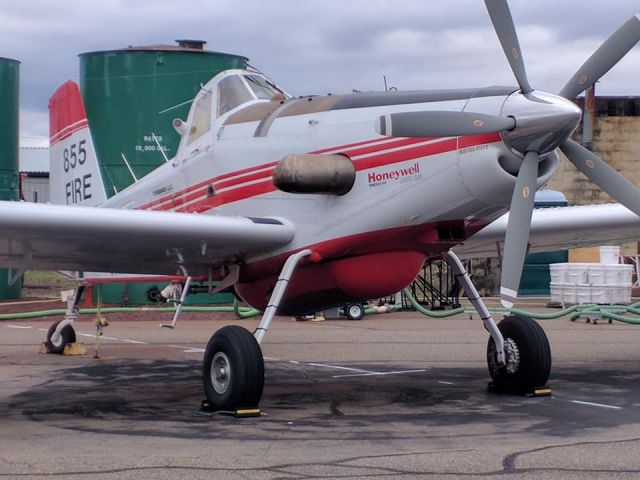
(233, 369)
(67, 335)
(354, 311)
(527, 355)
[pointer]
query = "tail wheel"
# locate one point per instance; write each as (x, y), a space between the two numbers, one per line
(233, 369)
(527, 354)
(67, 335)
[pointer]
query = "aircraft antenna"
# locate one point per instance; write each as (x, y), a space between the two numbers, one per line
(129, 167)
(175, 106)
(155, 139)
(386, 87)
(113, 184)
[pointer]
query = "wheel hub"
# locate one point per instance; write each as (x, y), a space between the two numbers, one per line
(512, 355)
(220, 372)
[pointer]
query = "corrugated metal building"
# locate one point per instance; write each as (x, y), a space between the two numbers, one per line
(34, 169)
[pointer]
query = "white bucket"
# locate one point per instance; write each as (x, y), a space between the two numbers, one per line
(556, 293)
(612, 274)
(625, 295)
(625, 275)
(609, 254)
(583, 294)
(569, 294)
(597, 273)
(616, 295)
(601, 294)
(577, 273)
(558, 272)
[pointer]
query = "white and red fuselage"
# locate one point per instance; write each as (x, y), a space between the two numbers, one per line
(413, 198)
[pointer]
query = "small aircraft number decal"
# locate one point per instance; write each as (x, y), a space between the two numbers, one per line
(75, 155)
(475, 148)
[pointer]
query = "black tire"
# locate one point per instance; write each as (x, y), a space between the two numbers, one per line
(233, 369)
(67, 335)
(354, 311)
(528, 356)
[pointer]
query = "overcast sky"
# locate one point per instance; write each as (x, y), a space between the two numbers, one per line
(320, 46)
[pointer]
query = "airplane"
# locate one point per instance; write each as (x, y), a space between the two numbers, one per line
(301, 204)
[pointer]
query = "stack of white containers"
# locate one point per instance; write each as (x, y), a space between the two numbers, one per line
(607, 282)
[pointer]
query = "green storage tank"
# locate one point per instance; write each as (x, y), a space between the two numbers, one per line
(9, 179)
(134, 93)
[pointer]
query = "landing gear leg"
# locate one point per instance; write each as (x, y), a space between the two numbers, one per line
(478, 304)
(61, 333)
(518, 352)
(179, 303)
(233, 366)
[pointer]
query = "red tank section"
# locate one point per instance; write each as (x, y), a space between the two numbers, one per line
(315, 287)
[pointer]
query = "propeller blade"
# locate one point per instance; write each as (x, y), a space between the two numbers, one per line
(506, 31)
(517, 237)
(603, 175)
(441, 124)
(604, 58)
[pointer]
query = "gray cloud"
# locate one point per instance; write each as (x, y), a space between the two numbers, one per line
(319, 46)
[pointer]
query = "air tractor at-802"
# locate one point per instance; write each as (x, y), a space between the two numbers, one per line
(302, 204)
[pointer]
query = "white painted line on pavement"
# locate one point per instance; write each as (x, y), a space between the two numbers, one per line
(601, 405)
(372, 374)
(337, 367)
(104, 337)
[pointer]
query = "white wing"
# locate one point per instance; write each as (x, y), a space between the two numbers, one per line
(60, 237)
(559, 228)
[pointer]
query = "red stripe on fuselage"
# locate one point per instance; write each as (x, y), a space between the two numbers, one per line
(267, 186)
(351, 145)
(386, 146)
(242, 192)
(169, 201)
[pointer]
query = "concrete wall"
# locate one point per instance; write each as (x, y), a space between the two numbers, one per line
(617, 141)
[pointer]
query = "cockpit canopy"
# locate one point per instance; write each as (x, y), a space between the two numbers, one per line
(234, 90)
(226, 92)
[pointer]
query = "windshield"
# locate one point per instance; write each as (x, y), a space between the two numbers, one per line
(262, 88)
(201, 120)
(231, 93)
